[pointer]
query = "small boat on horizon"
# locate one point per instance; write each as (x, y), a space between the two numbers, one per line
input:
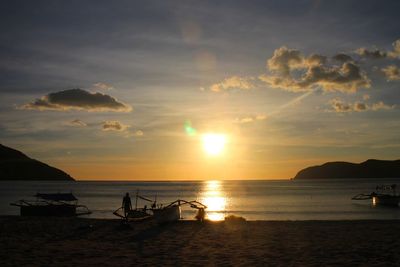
(58, 204)
(381, 196)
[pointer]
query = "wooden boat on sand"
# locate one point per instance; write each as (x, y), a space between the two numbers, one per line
(172, 212)
(59, 204)
(159, 212)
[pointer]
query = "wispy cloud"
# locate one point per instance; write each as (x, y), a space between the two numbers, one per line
(341, 106)
(380, 105)
(77, 123)
(77, 99)
(249, 119)
(103, 86)
(108, 126)
(233, 82)
(114, 126)
(139, 133)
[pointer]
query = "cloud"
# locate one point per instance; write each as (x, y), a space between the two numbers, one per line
(375, 54)
(392, 73)
(380, 105)
(114, 126)
(359, 106)
(234, 82)
(315, 60)
(340, 106)
(366, 97)
(289, 69)
(396, 49)
(284, 60)
(294, 72)
(341, 57)
(139, 133)
(103, 86)
(346, 78)
(259, 117)
(77, 99)
(77, 123)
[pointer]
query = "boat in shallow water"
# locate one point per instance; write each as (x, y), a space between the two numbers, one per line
(384, 195)
(58, 204)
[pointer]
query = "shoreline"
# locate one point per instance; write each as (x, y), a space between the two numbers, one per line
(27, 241)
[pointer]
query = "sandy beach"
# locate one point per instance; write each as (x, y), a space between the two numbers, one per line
(89, 242)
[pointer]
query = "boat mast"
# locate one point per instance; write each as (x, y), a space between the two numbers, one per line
(137, 195)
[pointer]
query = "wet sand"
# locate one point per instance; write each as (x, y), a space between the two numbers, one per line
(90, 242)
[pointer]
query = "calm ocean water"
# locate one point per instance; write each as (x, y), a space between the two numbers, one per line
(254, 200)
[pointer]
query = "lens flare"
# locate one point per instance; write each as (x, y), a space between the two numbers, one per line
(189, 129)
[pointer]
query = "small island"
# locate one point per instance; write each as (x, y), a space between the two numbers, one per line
(371, 168)
(15, 165)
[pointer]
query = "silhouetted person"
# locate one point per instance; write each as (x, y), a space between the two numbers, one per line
(126, 204)
(201, 214)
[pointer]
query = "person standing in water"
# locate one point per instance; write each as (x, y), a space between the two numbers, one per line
(126, 204)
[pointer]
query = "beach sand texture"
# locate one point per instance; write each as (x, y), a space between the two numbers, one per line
(90, 242)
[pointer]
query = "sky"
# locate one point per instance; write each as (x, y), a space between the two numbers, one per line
(127, 90)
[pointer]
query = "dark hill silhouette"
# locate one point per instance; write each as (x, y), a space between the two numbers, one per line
(15, 165)
(371, 168)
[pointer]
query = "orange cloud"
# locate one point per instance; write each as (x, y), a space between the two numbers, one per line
(234, 82)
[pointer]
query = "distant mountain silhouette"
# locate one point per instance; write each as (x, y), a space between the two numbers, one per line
(15, 165)
(371, 168)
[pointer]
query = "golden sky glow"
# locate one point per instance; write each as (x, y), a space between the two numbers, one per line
(199, 91)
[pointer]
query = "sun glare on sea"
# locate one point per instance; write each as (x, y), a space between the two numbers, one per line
(215, 200)
(214, 144)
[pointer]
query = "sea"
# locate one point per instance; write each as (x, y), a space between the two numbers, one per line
(327, 199)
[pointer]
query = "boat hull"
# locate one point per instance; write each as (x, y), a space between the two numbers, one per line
(48, 210)
(168, 214)
(386, 200)
(137, 215)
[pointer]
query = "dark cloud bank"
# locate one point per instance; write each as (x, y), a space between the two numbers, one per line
(77, 99)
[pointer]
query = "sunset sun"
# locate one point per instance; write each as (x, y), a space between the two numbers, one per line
(214, 144)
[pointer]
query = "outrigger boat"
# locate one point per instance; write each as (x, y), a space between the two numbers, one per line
(159, 212)
(59, 204)
(172, 212)
(136, 214)
(379, 197)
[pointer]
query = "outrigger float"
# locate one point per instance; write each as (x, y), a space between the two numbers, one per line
(160, 213)
(380, 197)
(59, 204)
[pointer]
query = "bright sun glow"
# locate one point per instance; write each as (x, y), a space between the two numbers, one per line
(214, 143)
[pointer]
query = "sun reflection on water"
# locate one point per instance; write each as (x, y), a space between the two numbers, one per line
(214, 198)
